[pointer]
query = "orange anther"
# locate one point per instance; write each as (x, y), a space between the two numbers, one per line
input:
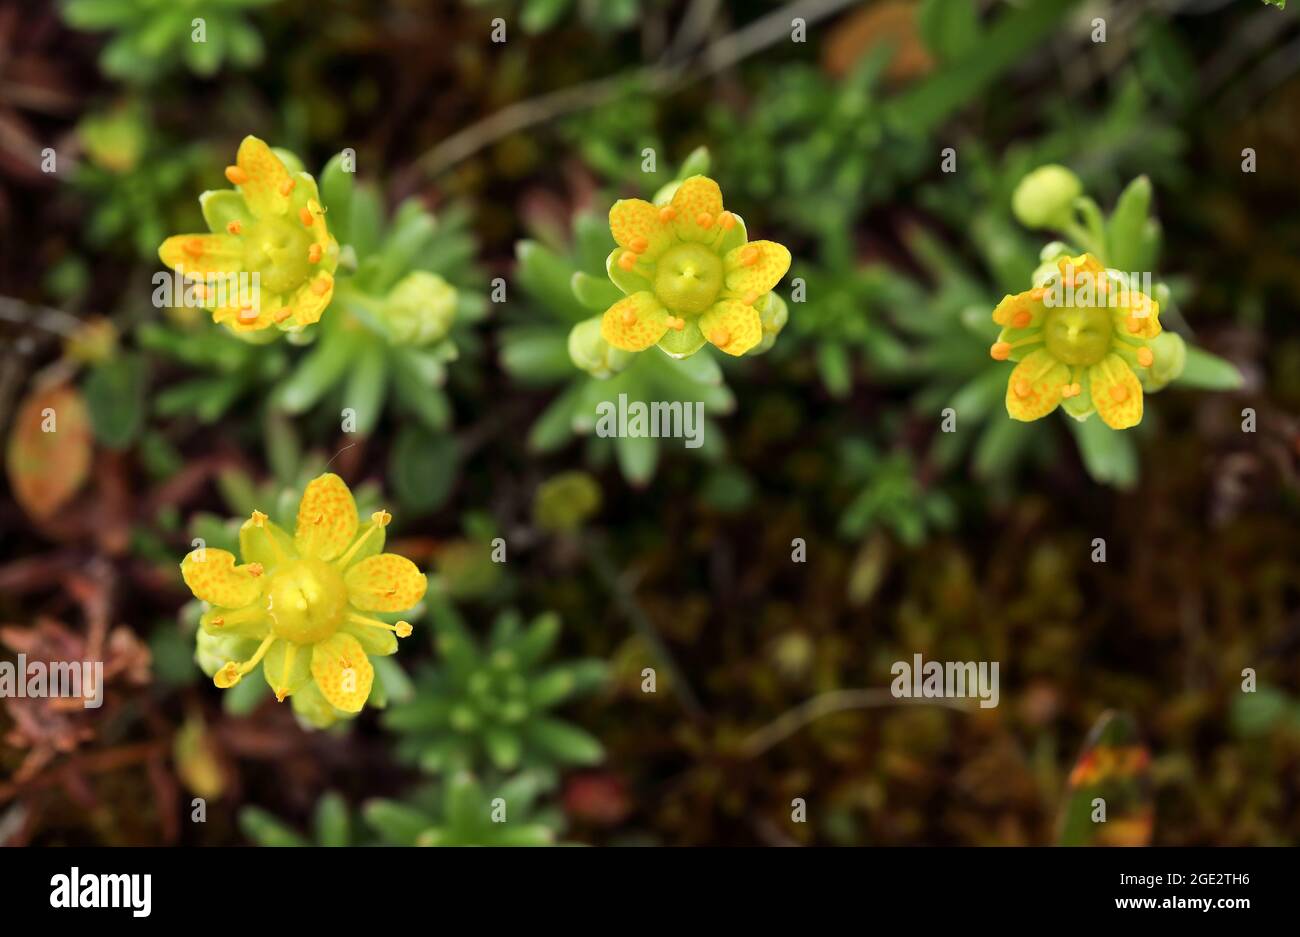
(287, 186)
(1146, 357)
(627, 260)
(321, 287)
(1023, 388)
(236, 175)
(234, 227)
(704, 220)
(639, 244)
(1119, 393)
(313, 254)
(305, 216)
(629, 317)
(726, 221)
(1022, 318)
(667, 213)
(1000, 351)
(720, 337)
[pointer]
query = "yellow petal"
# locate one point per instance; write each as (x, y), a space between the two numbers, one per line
(264, 189)
(638, 226)
(327, 518)
(635, 322)
(1139, 318)
(1116, 392)
(1021, 311)
(697, 199)
(384, 583)
(342, 672)
(197, 255)
(213, 577)
(1035, 386)
(756, 267)
(732, 326)
(311, 299)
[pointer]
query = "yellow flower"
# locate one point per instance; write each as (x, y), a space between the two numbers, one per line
(1080, 339)
(689, 274)
(271, 225)
(298, 603)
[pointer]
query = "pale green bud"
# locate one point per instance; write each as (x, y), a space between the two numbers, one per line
(1045, 197)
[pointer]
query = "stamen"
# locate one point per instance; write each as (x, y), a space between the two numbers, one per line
(1146, 357)
(627, 260)
(194, 247)
(283, 314)
(287, 186)
(232, 672)
(749, 298)
(704, 220)
(283, 689)
(248, 314)
(1000, 351)
(402, 629)
(629, 317)
(236, 175)
(726, 221)
(667, 214)
(749, 256)
(258, 519)
(234, 227)
(676, 323)
(218, 621)
(1119, 393)
(255, 569)
(1134, 325)
(313, 254)
(321, 287)
(1022, 318)
(1023, 388)
(381, 520)
(639, 245)
(720, 337)
(305, 216)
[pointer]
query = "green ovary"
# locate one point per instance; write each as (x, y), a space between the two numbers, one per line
(307, 601)
(688, 278)
(1078, 335)
(277, 249)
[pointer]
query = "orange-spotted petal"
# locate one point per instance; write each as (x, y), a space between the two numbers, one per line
(385, 582)
(1116, 392)
(1139, 318)
(1022, 310)
(732, 326)
(342, 672)
(310, 301)
(327, 518)
(697, 203)
(756, 267)
(196, 255)
(638, 227)
(213, 576)
(635, 322)
(1035, 387)
(266, 182)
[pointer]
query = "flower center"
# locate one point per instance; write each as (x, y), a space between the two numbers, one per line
(307, 601)
(688, 278)
(1078, 335)
(277, 249)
